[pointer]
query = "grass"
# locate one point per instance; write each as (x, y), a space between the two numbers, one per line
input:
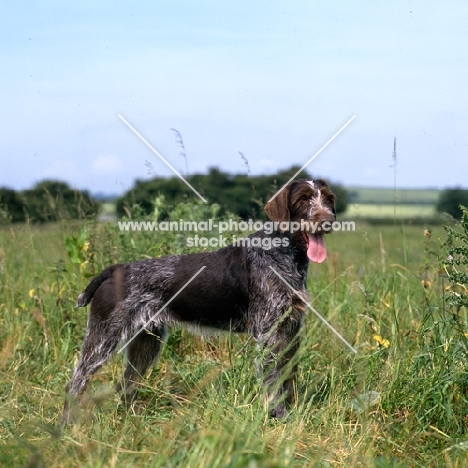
(380, 288)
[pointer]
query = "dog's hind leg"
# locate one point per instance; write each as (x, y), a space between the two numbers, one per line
(142, 351)
(98, 347)
(104, 332)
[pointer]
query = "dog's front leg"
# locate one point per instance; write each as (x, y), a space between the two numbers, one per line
(279, 344)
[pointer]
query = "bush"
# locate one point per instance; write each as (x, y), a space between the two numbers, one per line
(456, 263)
(12, 207)
(52, 200)
(450, 201)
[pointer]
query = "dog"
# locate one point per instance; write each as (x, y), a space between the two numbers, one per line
(239, 289)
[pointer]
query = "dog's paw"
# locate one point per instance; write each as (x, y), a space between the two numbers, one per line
(69, 417)
(279, 412)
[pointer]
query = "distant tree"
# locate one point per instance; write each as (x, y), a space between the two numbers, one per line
(240, 194)
(11, 206)
(341, 197)
(51, 200)
(352, 196)
(450, 201)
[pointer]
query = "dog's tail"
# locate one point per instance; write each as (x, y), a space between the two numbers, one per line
(85, 297)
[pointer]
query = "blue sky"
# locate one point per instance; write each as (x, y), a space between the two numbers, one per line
(273, 80)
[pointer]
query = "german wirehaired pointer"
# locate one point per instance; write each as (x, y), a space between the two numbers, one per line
(237, 291)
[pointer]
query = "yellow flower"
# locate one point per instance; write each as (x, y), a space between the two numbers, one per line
(382, 341)
(426, 283)
(32, 292)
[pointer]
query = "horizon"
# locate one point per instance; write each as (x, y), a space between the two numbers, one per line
(106, 194)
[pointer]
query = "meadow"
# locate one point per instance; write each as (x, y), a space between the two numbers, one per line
(369, 195)
(388, 204)
(389, 212)
(400, 401)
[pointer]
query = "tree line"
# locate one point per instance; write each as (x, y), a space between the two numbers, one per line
(49, 200)
(240, 194)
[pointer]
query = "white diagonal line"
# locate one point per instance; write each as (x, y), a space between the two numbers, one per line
(313, 310)
(313, 157)
(159, 156)
(162, 308)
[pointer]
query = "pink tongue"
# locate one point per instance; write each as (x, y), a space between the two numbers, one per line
(316, 250)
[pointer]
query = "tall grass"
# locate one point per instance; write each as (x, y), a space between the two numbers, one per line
(381, 288)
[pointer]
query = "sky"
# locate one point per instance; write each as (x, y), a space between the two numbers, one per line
(271, 80)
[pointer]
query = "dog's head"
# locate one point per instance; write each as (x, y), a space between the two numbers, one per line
(310, 205)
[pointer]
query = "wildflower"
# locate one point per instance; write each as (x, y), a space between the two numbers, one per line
(426, 283)
(382, 341)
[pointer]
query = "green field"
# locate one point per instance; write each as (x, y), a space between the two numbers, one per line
(378, 203)
(383, 211)
(203, 407)
(381, 196)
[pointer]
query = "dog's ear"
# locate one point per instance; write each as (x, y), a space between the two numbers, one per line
(328, 196)
(278, 209)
